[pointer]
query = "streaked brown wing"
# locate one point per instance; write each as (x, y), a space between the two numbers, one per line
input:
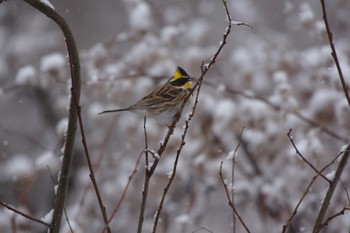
(166, 95)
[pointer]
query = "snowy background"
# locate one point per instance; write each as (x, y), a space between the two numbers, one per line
(275, 77)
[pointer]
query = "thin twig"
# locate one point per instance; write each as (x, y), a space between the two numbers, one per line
(291, 139)
(346, 192)
(146, 182)
(97, 164)
(24, 214)
(91, 170)
(233, 176)
(167, 187)
(285, 227)
(334, 52)
(230, 201)
(341, 212)
(120, 201)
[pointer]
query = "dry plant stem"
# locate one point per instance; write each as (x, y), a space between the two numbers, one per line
(233, 177)
(334, 52)
(97, 164)
(346, 191)
(167, 187)
(330, 191)
(120, 201)
(92, 174)
(23, 214)
(285, 227)
(342, 212)
(178, 152)
(290, 137)
(146, 182)
(72, 117)
(230, 201)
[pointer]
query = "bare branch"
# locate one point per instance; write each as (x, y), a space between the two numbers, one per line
(146, 182)
(285, 227)
(120, 201)
(334, 52)
(231, 204)
(23, 214)
(342, 212)
(233, 176)
(290, 137)
(91, 170)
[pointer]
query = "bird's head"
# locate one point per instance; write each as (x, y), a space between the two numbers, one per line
(181, 79)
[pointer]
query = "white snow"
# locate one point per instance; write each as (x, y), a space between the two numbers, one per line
(47, 3)
(182, 219)
(343, 148)
(231, 155)
(140, 17)
(54, 61)
(170, 173)
(306, 14)
(55, 188)
(48, 217)
(330, 176)
(230, 187)
(170, 33)
(17, 165)
(280, 76)
(225, 112)
(61, 127)
(47, 159)
(26, 75)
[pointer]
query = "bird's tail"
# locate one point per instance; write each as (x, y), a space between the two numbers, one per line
(115, 110)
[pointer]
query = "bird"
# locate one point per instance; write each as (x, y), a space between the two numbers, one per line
(164, 102)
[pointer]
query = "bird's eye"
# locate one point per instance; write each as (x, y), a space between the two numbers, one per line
(180, 81)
